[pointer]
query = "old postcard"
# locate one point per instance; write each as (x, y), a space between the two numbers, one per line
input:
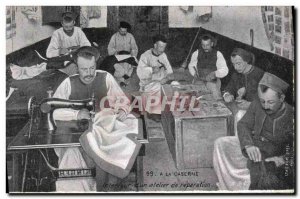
(150, 99)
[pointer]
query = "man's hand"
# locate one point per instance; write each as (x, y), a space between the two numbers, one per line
(240, 93)
(279, 160)
(253, 153)
(211, 76)
(83, 114)
(228, 97)
(164, 80)
(121, 115)
(156, 69)
(243, 104)
(63, 51)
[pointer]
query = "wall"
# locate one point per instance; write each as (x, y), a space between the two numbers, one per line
(236, 22)
(28, 31)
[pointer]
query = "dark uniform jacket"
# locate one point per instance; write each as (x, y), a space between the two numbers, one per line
(249, 81)
(281, 143)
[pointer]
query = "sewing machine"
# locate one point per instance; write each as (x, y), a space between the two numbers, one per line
(30, 146)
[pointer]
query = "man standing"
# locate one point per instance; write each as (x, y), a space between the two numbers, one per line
(82, 86)
(243, 83)
(209, 65)
(265, 143)
(67, 39)
(153, 70)
(123, 43)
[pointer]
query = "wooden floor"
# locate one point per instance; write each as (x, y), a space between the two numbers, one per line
(160, 173)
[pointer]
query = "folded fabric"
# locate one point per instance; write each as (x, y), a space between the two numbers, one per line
(19, 72)
(111, 143)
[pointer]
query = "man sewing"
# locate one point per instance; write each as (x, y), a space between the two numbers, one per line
(243, 84)
(262, 155)
(123, 43)
(208, 65)
(84, 85)
(65, 40)
(153, 70)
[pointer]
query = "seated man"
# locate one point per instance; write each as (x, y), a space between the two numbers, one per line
(243, 83)
(209, 65)
(153, 70)
(123, 43)
(78, 87)
(65, 40)
(264, 142)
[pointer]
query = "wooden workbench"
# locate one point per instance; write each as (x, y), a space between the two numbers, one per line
(191, 134)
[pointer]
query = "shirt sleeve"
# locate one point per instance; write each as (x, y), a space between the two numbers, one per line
(116, 97)
(222, 69)
(63, 92)
(83, 39)
(231, 86)
(53, 48)
(167, 64)
(134, 48)
(193, 63)
(111, 49)
(245, 126)
(144, 71)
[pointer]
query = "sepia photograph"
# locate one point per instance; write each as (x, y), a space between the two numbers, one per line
(150, 99)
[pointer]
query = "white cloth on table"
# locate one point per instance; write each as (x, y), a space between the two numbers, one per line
(25, 72)
(230, 165)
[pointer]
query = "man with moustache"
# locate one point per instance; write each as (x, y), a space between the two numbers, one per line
(265, 140)
(209, 65)
(81, 86)
(65, 40)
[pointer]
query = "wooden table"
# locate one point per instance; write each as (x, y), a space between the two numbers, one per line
(191, 134)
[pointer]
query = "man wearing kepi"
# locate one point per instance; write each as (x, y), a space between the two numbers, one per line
(153, 70)
(209, 65)
(84, 85)
(67, 39)
(243, 84)
(262, 157)
(123, 43)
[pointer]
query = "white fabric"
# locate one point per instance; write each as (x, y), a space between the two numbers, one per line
(71, 158)
(230, 165)
(11, 90)
(146, 64)
(150, 82)
(238, 116)
(108, 138)
(151, 91)
(19, 73)
(119, 42)
(222, 69)
(122, 69)
(60, 40)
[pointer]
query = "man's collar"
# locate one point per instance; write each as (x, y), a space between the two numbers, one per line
(153, 53)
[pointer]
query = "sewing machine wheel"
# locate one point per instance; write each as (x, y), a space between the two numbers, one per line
(31, 105)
